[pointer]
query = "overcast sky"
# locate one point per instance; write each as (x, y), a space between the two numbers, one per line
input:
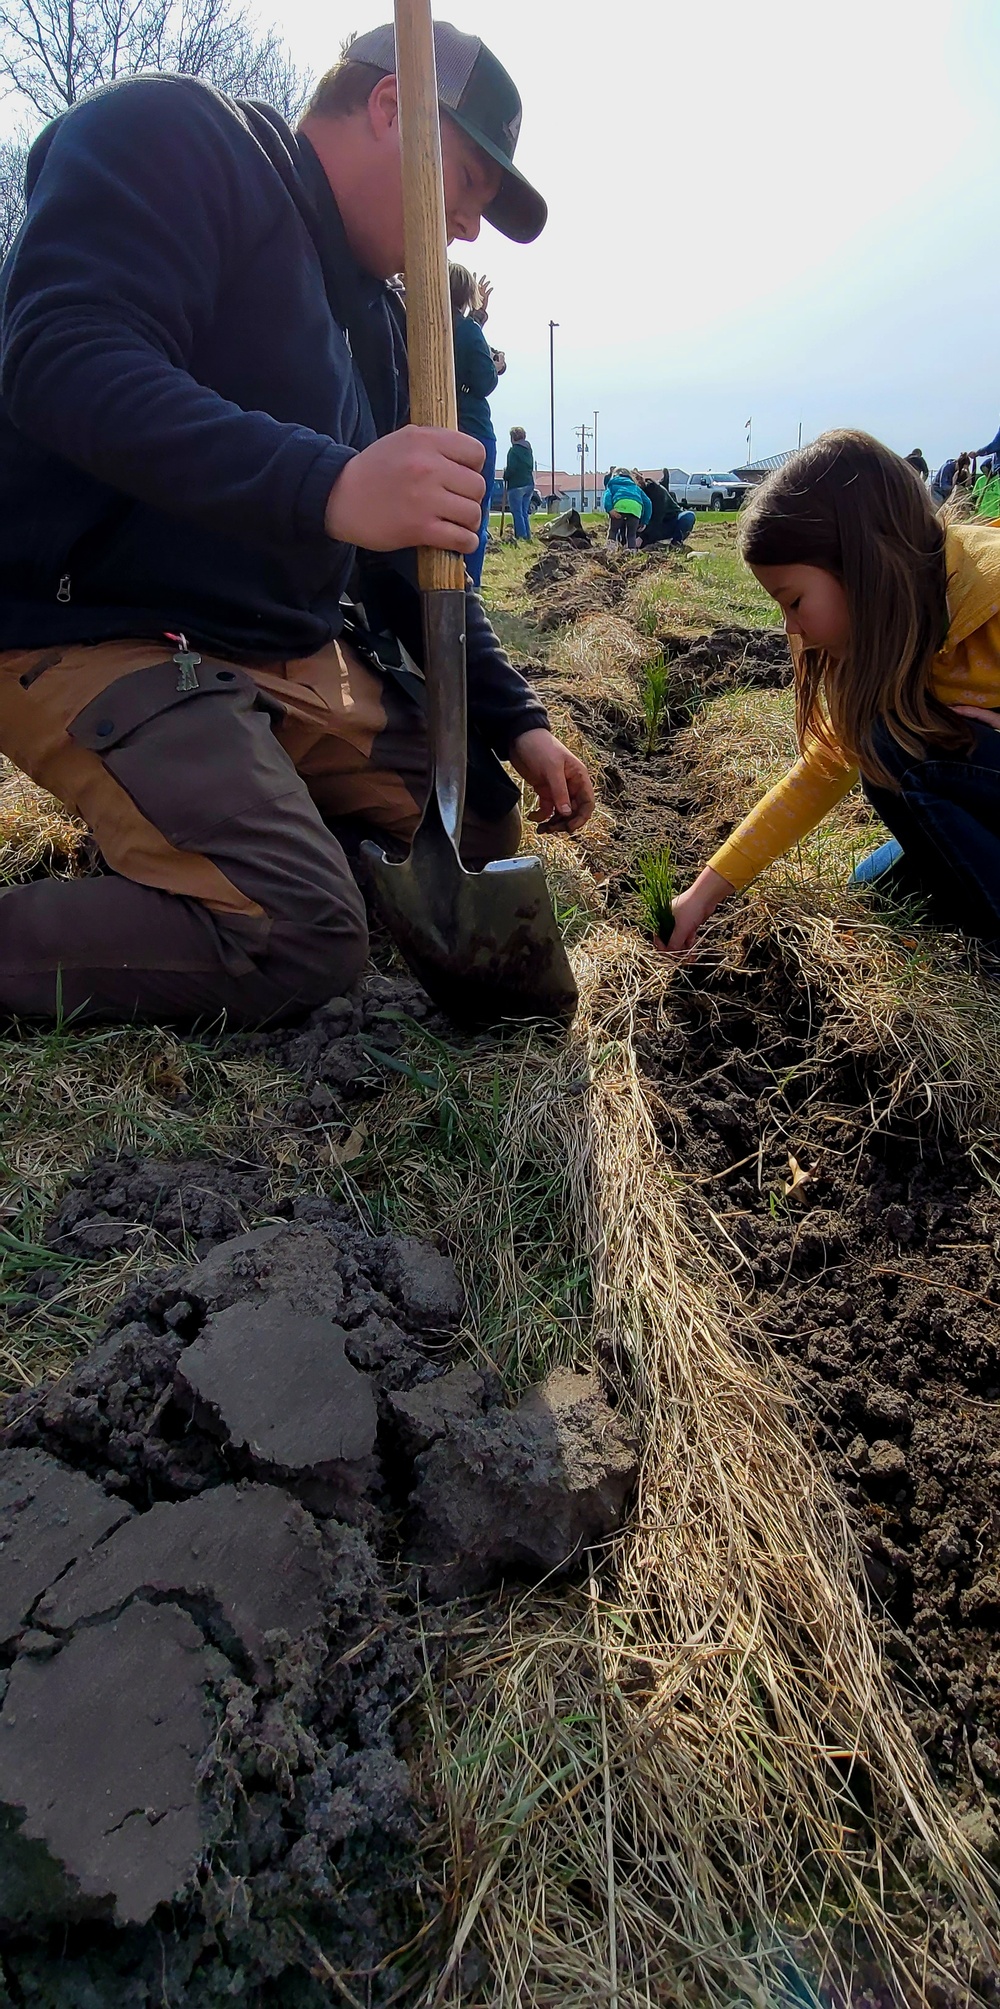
(773, 209)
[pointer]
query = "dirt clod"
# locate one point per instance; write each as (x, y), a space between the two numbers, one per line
(276, 1385)
(247, 1556)
(48, 1517)
(422, 1283)
(99, 1751)
(521, 1489)
(194, 1201)
(434, 1408)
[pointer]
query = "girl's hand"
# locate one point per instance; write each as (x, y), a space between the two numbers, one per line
(692, 908)
(481, 310)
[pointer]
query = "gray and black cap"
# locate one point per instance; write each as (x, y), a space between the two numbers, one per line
(475, 90)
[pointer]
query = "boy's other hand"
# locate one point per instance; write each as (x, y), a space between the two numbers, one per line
(421, 485)
(564, 789)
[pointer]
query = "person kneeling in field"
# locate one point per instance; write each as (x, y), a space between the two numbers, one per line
(894, 627)
(209, 495)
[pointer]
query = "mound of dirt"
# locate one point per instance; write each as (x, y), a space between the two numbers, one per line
(567, 582)
(203, 1787)
(340, 1054)
(871, 1253)
(727, 659)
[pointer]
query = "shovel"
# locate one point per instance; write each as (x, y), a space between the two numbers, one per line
(485, 945)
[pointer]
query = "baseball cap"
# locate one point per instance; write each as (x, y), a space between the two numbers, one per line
(475, 90)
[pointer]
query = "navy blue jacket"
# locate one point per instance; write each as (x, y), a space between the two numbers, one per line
(189, 356)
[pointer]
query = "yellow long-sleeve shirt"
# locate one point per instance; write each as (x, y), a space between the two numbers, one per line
(965, 672)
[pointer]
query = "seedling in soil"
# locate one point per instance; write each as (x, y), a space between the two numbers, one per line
(655, 685)
(657, 886)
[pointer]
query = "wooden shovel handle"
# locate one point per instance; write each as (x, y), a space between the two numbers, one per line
(430, 340)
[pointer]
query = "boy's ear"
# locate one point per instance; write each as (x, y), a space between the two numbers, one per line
(383, 107)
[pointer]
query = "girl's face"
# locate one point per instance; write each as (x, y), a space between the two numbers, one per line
(813, 603)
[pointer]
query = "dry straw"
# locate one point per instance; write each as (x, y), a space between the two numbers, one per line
(690, 1782)
(35, 832)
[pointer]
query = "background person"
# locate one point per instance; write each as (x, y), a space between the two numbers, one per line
(893, 624)
(992, 447)
(519, 480)
(986, 489)
(668, 524)
(476, 377)
(953, 480)
(915, 459)
(628, 509)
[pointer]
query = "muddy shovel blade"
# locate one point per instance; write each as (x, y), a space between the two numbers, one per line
(485, 945)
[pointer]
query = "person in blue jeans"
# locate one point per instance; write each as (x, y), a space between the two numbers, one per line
(476, 377)
(628, 508)
(944, 813)
(519, 480)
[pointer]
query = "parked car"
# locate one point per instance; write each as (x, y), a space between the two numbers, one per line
(706, 491)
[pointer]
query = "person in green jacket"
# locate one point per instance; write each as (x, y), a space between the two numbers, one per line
(986, 492)
(519, 480)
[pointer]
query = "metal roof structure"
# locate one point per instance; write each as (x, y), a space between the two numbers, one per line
(765, 466)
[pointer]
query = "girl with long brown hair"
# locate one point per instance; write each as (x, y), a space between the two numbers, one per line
(893, 617)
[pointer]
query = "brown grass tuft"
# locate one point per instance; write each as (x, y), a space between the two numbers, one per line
(36, 834)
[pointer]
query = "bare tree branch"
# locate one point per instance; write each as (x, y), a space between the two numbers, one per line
(13, 155)
(53, 51)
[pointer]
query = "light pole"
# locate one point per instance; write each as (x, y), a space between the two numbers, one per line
(553, 325)
(585, 433)
(596, 464)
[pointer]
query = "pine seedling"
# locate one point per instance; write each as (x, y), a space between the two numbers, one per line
(655, 684)
(657, 883)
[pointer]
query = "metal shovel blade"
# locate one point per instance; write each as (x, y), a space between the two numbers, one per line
(485, 945)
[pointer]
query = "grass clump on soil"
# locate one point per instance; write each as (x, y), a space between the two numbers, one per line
(700, 591)
(68, 1094)
(657, 883)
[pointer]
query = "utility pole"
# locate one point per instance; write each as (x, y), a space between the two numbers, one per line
(585, 433)
(553, 325)
(597, 465)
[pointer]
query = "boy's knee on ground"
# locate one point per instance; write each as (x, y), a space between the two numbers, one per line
(323, 951)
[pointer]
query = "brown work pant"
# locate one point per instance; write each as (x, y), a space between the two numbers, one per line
(210, 792)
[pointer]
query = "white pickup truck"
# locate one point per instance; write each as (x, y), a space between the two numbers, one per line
(706, 491)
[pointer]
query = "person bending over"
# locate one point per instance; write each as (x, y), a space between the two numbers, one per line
(628, 509)
(209, 493)
(668, 523)
(895, 634)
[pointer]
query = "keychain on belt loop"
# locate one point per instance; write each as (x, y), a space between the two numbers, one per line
(187, 661)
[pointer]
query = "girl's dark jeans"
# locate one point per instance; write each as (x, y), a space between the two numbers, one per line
(946, 816)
